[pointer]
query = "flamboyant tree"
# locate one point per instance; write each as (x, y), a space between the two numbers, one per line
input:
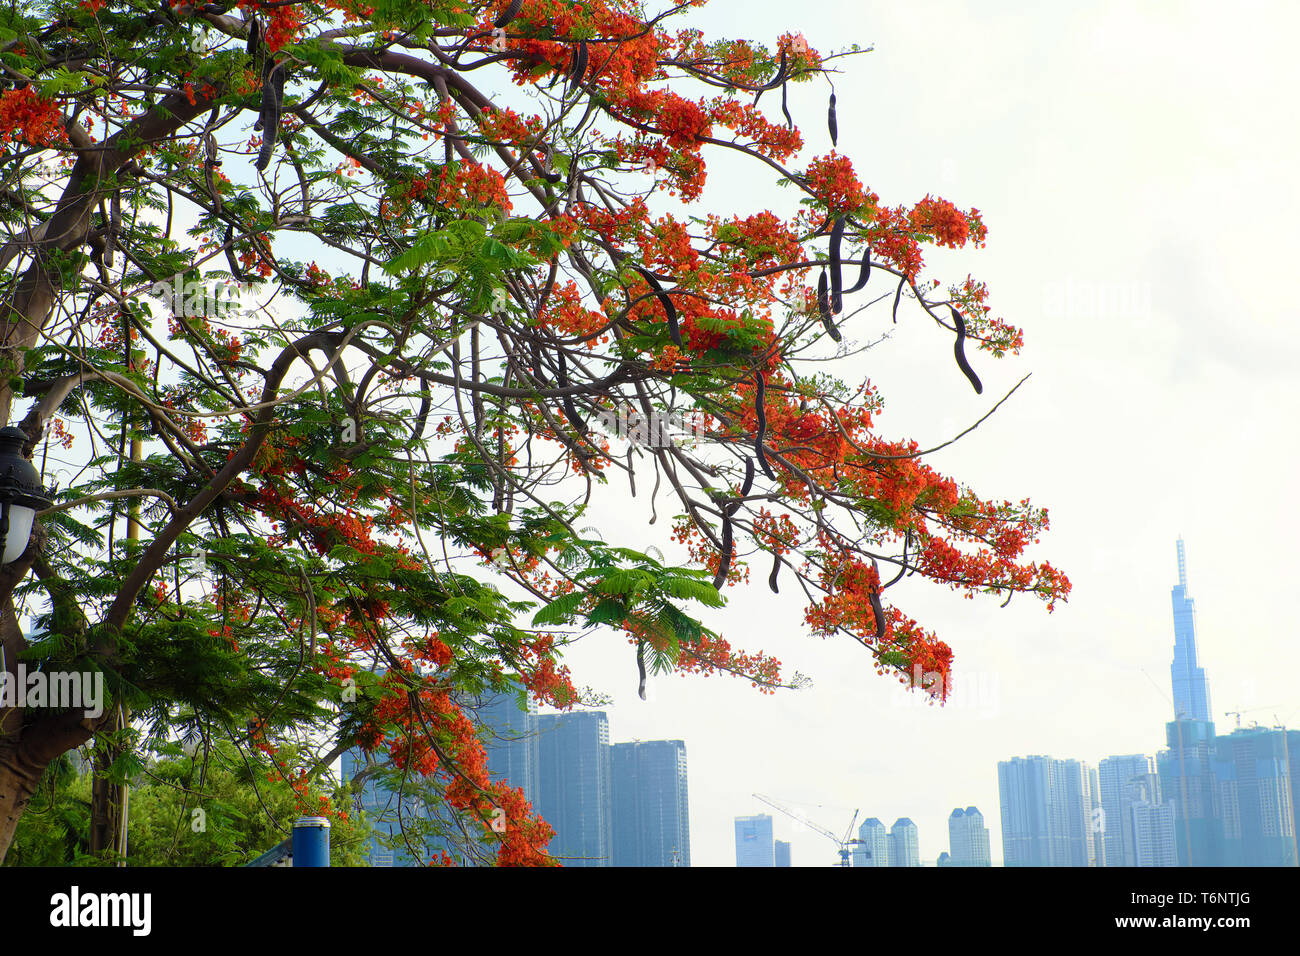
(337, 315)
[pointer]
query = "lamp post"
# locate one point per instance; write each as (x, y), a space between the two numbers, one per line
(21, 495)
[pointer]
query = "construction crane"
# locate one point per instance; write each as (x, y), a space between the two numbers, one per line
(1249, 710)
(843, 843)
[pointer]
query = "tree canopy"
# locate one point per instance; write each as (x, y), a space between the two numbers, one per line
(334, 318)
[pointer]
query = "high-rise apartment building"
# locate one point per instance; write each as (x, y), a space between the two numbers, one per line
(782, 853)
(754, 841)
(1152, 834)
(1252, 768)
(573, 786)
(904, 843)
(872, 848)
(1047, 812)
(651, 816)
(1187, 782)
(407, 821)
(968, 839)
(509, 734)
(1125, 780)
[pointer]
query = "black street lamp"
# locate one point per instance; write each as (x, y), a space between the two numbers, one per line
(21, 495)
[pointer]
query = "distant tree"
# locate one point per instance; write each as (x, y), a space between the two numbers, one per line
(218, 809)
(332, 510)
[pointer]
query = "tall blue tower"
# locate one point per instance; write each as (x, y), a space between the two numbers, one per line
(1191, 691)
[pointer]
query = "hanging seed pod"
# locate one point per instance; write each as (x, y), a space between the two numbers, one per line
(579, 66)
(761, 412)
(959, 350)
(878, 612)
(213, 193)
(831, 124)
(724, 566)
(824, 308)
(254, 36)
(864, 274)
(898, 297)
(837, 279)
(776, 569)
(749, 477)
(508, 14)
(228, 242)
(640, 668)
(670, 310)
(775, 81)
(570, 410)
(272, 101)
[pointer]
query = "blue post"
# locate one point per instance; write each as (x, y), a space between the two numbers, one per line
(311, 841)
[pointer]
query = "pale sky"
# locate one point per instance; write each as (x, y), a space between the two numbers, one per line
(1135, 170)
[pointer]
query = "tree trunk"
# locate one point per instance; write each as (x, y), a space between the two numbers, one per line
(17, 784)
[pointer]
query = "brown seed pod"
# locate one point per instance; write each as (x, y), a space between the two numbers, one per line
(776, 569)
(824, 308)
(579, 66)
(830, 122)
(235, 270)
(670, 310)
(272, 102)
(570, 409)
(724, 565)
(761, 412)
(749, 477)
(640, 668)
(959, 350)
(837, 281)
(898, 297)
(877, 611)
(508, 14)
(777, 80)
(864, 274)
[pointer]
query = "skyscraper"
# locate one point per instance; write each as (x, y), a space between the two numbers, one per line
(573, 786)
(782, 853)
(1152, 832)
(1081, 838)
(968, 839)
(754, 841)
(1187, 782)
(872, 848)
(408, 827)
(651, 817)
(1186, 776)
(1047, 810)
(904, 843)
(1125, 780)
(511, 742)
(1191, 691)
(1252, 768)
